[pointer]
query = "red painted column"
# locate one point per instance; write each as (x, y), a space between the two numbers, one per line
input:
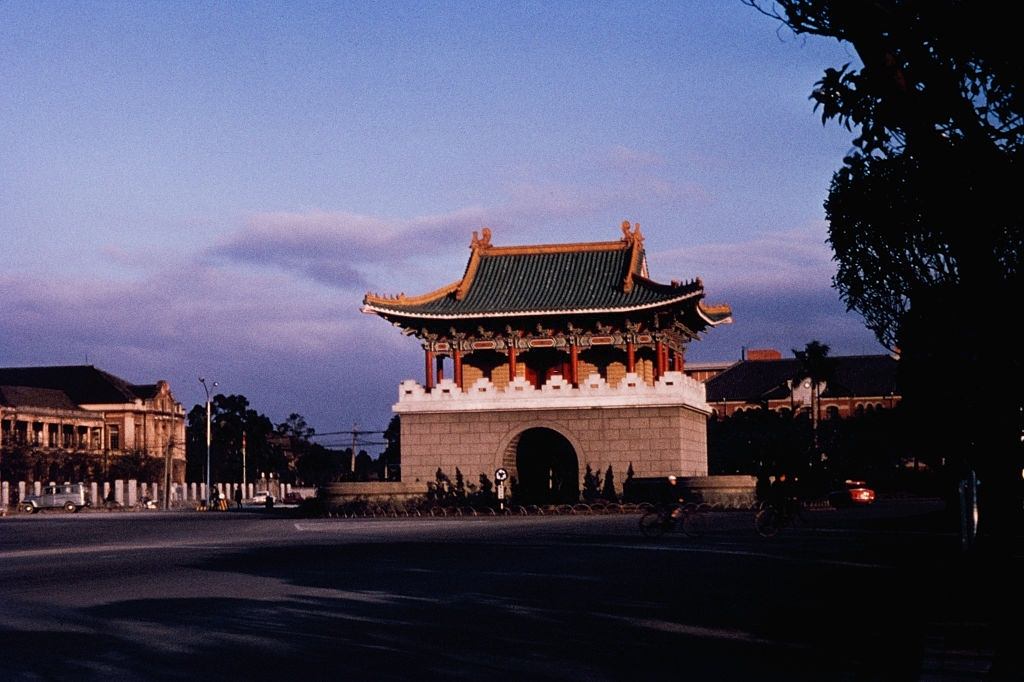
(457, 359)
(630, 357)
(511, 362)
(430, 369)
(659, 356)
(574, 364)
(680, 360)
(440, 368)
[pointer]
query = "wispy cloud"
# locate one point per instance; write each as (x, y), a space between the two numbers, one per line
(289, 346)
(790, 260)
(337, 248)
(779, 286)
(294, 343)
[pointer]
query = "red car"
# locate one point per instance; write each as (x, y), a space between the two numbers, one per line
(851, 493)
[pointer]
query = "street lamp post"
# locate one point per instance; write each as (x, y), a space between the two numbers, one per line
(203, 382)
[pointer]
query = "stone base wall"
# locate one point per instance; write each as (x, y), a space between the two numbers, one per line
(733, 491)
(340, 493)
(656, 440)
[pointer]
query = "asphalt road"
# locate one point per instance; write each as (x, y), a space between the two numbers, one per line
(255, 595)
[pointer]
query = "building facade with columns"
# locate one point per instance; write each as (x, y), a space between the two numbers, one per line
(84, 410)
(544, 359)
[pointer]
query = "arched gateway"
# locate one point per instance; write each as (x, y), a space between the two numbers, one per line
(575, 335)
(545, 467)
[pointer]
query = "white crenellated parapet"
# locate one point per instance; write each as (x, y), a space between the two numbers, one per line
(595, 383)
(410, 390)
(482, 385)
(556, 384)
(518, 387)
(673, 388)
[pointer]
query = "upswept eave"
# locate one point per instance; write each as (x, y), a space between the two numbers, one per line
(715, 315)
(398, 312)
(372, 301)
(499, 282)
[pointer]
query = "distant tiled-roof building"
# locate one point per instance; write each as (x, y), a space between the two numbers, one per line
(856, 383)
(83, 409)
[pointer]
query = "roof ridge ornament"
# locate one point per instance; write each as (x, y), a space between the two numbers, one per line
(631, 233)
(634, 241)
(483, 242)
(477, 245)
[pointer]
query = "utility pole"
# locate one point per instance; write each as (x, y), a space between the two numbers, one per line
(245, 490)
(354, 432)
(168, 461)
(3, 502)
(203, 382)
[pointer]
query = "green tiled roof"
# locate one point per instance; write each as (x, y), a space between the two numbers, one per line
(525, 280)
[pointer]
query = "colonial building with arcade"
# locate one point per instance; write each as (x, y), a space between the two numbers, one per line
(545, 359)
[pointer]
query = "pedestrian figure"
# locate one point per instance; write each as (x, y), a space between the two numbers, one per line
(238, 497)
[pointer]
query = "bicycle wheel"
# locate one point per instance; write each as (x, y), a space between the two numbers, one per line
(695, 523)
(653, 524)
(767, 522)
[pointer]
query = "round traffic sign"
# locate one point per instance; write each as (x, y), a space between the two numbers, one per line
(501, 475)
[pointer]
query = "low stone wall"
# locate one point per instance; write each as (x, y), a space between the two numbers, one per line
(728, 491)
(336, 494)
(733, 491)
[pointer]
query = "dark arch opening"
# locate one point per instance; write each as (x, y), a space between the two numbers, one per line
(547, 467)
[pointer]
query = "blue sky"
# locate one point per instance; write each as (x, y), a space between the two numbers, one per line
(196, 189)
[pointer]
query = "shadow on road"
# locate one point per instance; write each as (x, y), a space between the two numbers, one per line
(475, 609)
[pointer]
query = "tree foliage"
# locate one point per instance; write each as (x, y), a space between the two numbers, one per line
(591, 484)
(923, 216)
(875, 446)
(391, 458)
(608, 488)
(921, 201)
(230, 418)
(295, 426)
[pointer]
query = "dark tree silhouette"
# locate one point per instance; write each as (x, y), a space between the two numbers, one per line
(928, 240)
(591, 485)
(925, 222)
(608, 490)
(230, 417)
(296, 427)
(816, 366)
(459, 489)
(318, 465)
(391, 458)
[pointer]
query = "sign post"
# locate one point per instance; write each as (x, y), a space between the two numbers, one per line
(501, 475)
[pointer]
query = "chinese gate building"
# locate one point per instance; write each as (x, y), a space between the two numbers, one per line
(545, 359)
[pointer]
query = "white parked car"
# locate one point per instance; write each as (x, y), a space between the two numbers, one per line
(69, 496)
(263, 497)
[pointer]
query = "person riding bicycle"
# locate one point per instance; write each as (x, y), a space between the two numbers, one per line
(783, 496)
(672, 495)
